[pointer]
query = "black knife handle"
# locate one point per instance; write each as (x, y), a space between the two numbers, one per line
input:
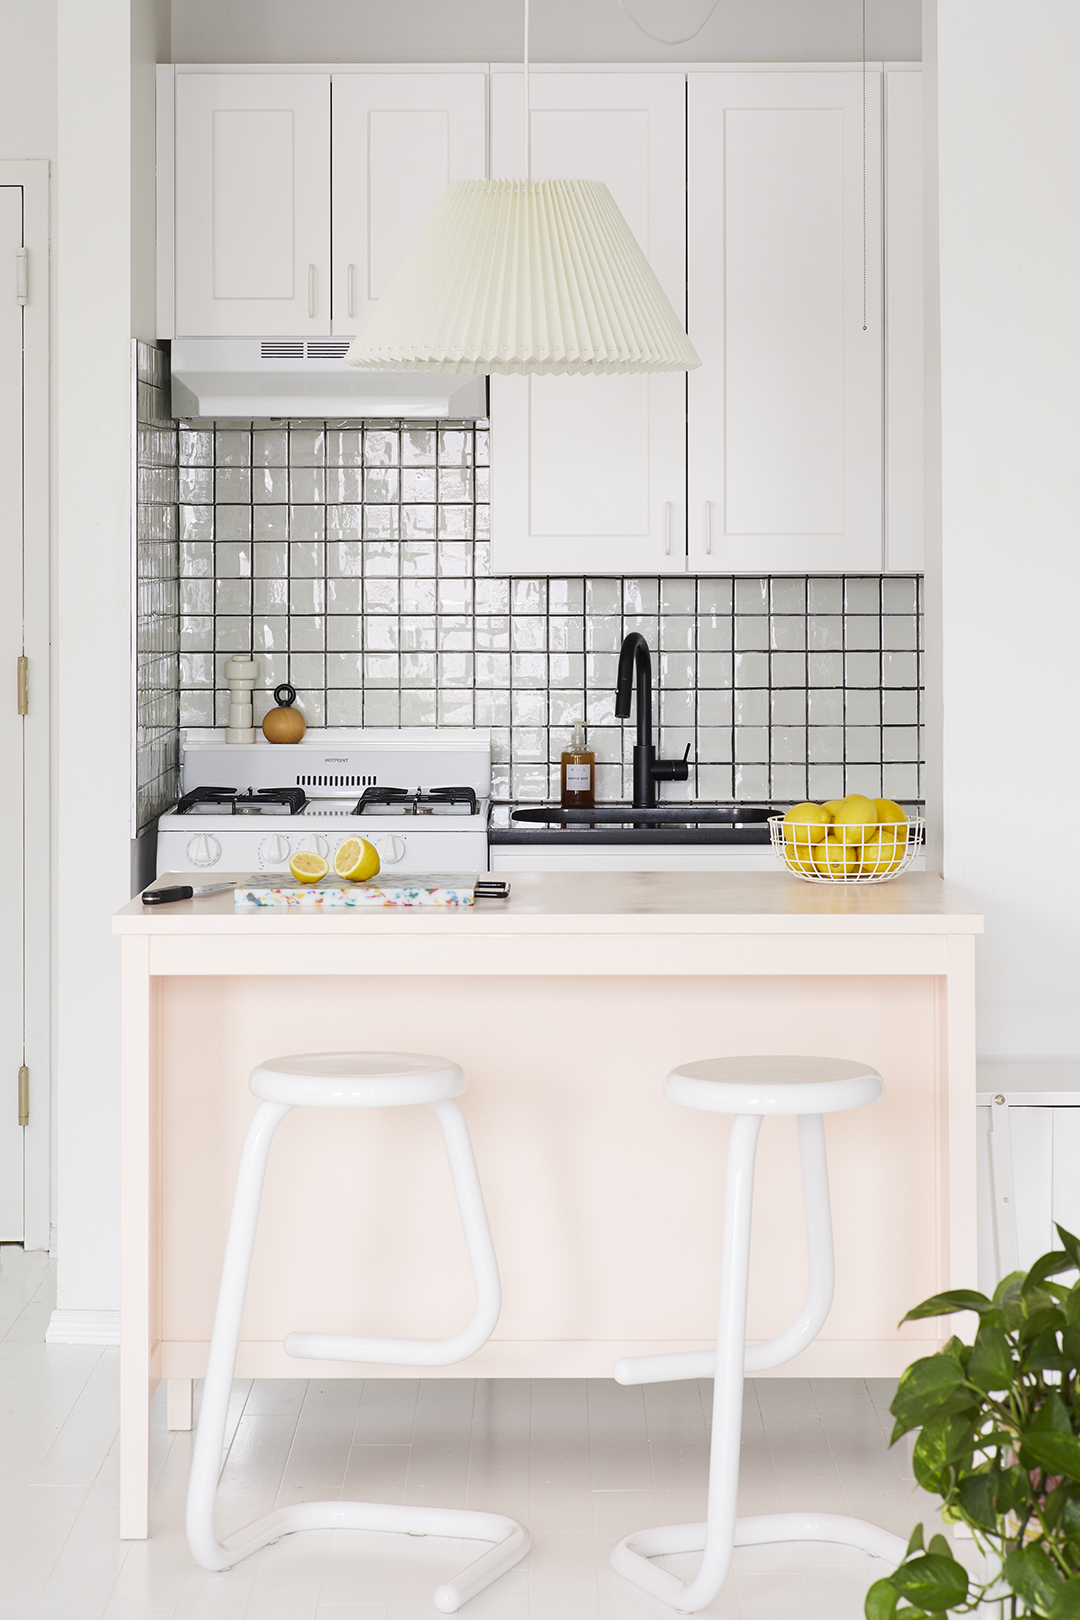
(161, 897)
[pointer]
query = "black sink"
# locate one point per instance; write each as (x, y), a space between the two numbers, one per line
(623, 824)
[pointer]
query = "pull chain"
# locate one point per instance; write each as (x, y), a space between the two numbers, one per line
(863, 164)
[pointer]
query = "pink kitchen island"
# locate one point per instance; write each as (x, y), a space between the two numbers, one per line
(566, 1005)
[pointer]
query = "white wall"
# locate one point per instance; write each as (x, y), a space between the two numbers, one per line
(561, 31)
(104, 295)
(1009, 138)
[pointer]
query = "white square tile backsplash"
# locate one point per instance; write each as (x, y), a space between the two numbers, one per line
(353, 559)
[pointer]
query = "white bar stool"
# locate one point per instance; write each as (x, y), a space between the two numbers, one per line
(749, 1088)
(349, 1080)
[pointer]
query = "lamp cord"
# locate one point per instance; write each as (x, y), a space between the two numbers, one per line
(528, 121)
(656, 37)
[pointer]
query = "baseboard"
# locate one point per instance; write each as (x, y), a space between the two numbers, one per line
(83, 1327)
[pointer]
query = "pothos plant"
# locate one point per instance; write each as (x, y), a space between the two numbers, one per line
(999, 1442)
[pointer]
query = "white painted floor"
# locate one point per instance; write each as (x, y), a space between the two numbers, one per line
(581, 1463)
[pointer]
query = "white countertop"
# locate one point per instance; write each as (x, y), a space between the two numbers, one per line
(597, 903)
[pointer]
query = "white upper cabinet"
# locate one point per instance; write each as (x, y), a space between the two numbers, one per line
(785, 309)
(589, 473)
(252, 200)
(903, 320)
(399, 139)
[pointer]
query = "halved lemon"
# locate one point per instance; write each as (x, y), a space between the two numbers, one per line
(356, 860)
(307, 867)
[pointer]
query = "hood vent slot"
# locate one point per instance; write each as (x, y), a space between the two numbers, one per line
(282, 350)
(328, 348)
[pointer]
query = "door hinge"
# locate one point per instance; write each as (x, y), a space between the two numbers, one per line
(23, 685)
(24, 1095)
(21, 282)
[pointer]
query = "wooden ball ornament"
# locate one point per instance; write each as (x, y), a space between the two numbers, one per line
(284, 724)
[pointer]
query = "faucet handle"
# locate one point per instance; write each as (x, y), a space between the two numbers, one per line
(671, 770)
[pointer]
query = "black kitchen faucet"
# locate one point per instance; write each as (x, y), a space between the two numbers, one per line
(648, 770)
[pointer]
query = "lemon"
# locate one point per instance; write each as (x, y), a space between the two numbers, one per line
(888, 811)
(836, 858)
(307, 867)
(831, 806)
(884, 850)
(799, 858)
(805, 824)
(356, 859)
(853, 814)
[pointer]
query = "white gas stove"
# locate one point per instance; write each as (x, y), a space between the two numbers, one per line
(421, 797)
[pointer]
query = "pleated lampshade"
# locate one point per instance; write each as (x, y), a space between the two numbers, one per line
(542, 277)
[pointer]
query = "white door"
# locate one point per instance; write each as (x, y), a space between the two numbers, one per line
(252, 204)
(785, 452)
(589, 473)
(11, 723)
(398, 139)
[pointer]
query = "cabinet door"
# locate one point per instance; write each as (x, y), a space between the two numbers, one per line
(903, 321)
(252, 204)
(399, 139)
(785, 413)
(589, 473)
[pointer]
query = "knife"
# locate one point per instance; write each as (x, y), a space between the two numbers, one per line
(182, 891)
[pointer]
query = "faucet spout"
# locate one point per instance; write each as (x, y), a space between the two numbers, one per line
(634, 657)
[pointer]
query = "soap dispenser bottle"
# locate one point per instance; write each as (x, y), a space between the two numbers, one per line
(578, 773)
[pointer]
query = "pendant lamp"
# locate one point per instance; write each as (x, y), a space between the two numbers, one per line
(524, 277)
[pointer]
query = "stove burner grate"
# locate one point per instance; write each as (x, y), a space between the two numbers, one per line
(251, 802)
(414, 801)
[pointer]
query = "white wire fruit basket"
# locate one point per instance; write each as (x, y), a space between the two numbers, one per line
(872, 853)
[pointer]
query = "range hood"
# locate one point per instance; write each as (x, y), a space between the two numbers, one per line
(251, 377)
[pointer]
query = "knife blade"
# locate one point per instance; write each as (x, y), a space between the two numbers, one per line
(182, 891)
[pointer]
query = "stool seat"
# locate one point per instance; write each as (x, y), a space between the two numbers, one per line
(773, 1085)
(357, 1079)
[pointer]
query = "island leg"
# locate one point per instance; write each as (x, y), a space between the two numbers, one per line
(138, 1237)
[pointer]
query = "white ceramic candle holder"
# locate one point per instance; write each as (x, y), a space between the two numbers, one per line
(240, 675)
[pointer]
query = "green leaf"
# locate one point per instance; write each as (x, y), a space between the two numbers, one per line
(881, 1601)
(940, 1546)
(1066, 1606)
(1054, 1453)
(991, 1364)
(1070, 1244)
(1033, 1577)
(959, 1299)
(937, 1446)
(915, 1541)
(1014, 1280)
(932, 1581)
(976, 1495)
(1047, 1265)
(1047, 1319)
(924, 1390)
(1011, 1490)
(1051, 1416)
(1070, 1344)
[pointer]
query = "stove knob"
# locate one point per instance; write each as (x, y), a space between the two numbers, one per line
(204, 850)
(274, 851)
(390, 847)
(316, 843)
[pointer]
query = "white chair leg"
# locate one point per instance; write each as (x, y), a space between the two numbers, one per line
(511, 1539)
(210, 1435)
(819, 1292)
(722, 1532)
(485, 1270)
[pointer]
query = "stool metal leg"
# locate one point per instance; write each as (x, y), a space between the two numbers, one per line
(721, 1532)
(511, 1538)
(478, 1330)
(819, 1289)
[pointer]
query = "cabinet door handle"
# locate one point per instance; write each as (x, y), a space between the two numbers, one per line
(667, 528)
(350, 296)
(311, 292)
(708, 528)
